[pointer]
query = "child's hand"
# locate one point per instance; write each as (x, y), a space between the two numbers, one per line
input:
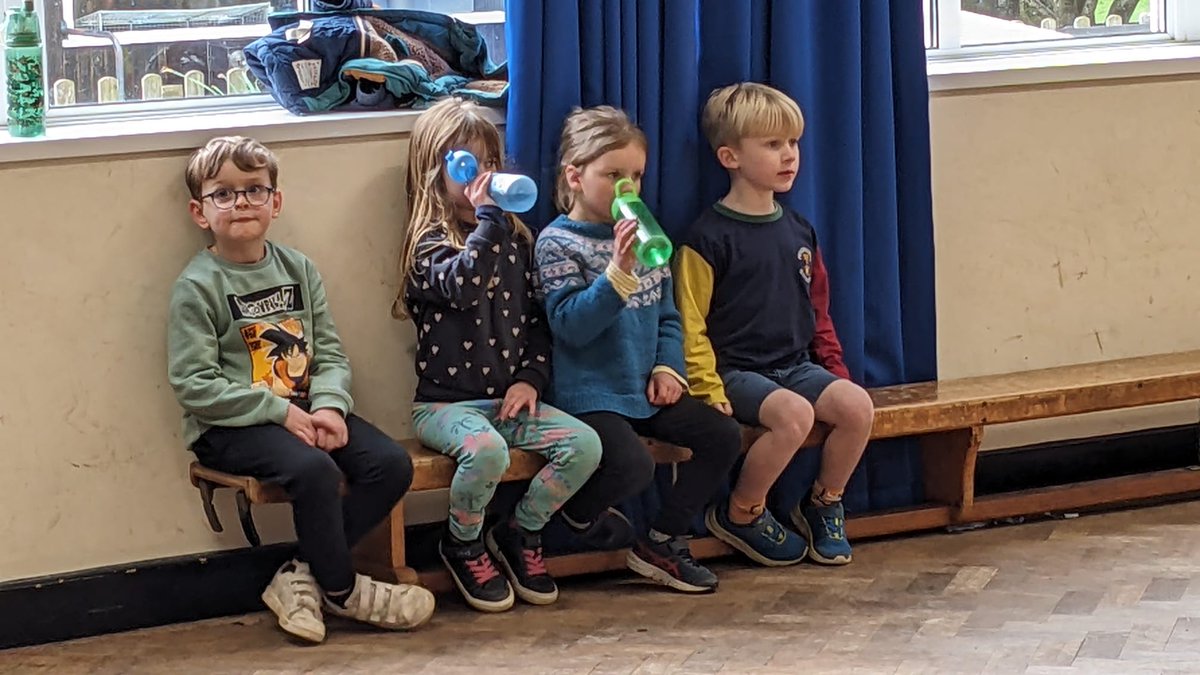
(332, 433)
(477, 190)
(625, 234)
(663, 390)
(300, 423)
(725, 408)
(521, 396)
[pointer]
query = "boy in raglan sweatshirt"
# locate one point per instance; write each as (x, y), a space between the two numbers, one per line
(256, 363)
(760, 343)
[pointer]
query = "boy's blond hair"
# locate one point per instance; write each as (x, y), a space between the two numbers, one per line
(749, 109)
(587, 135)
(246, 154)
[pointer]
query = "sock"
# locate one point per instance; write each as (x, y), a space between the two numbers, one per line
(575, 525)
(743, 514)
(822, 496)
(658, 537)
(339, 598)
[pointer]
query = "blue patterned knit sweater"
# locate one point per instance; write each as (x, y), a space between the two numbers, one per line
(605, 347)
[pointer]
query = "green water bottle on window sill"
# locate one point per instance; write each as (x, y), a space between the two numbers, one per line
(23, 72)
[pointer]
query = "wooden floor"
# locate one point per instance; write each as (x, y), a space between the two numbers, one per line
(1110, 593)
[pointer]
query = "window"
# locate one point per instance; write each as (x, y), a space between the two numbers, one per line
(102, 55)
(117, 51)
(997, 25)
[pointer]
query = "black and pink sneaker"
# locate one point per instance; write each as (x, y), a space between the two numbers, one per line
(520, 556)
(476, 575)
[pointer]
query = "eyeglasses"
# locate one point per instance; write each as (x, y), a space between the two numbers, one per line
(226, 198)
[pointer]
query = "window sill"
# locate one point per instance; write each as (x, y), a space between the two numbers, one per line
(120, 133)
(133, 134)
(1074, 64)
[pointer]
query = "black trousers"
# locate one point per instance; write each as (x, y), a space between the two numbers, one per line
(377, 469)
(626, 467)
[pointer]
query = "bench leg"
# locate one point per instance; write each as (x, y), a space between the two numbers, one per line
(381, 554)
(210, 511)
(247, 518)
(948, 458)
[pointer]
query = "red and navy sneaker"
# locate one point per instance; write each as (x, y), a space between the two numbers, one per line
(670, 563)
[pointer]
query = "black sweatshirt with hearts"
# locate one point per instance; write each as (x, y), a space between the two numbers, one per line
(479, 328)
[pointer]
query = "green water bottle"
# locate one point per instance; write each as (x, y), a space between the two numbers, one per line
(23, 66)
(652, 248)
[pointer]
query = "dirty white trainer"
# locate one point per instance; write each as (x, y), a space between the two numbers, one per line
(295, 599)
(392, 606)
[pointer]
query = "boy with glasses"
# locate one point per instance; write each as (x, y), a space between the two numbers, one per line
(256, 363)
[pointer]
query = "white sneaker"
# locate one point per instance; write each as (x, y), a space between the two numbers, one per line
(392, 606)
(294, 597)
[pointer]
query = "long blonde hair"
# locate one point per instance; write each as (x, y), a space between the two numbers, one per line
(587, 134)
(448, 124)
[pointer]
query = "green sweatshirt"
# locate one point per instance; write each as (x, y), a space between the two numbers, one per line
(244, 341)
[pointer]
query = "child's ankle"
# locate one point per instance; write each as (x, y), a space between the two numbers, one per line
(823, 496)
(742, 513)
(340, 597)
(456, 542)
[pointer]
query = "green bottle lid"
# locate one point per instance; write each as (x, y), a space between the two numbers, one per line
(22, 27)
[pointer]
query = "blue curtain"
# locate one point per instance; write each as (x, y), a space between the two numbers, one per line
(858, 73)
(624, 53)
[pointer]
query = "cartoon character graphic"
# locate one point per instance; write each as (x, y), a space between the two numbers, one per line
(805, 256)
(280, 356)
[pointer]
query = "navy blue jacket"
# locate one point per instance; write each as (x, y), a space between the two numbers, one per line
(315, 61)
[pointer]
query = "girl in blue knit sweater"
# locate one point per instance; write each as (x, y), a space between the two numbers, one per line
(618, 351)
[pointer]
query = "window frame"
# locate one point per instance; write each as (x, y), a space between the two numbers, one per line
(951, 66)
(1171, 25)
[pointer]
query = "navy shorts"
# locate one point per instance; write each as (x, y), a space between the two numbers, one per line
(747, 389)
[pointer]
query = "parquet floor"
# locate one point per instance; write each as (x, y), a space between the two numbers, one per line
(1109, 593)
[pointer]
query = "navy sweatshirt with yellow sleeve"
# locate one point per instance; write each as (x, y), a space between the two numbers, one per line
(752, 294)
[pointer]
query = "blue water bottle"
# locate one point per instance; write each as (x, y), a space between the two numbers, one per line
(511, 191)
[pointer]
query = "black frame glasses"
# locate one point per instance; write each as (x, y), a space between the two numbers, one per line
(227, 198)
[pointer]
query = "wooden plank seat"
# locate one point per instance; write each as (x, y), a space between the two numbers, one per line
(947, 417)
(381, 553)
(431, 471)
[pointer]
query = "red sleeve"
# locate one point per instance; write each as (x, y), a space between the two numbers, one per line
(825, 345)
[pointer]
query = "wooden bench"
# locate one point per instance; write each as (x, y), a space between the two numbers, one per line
(947, 417)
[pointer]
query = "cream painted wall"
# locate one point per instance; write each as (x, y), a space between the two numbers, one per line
(94, 471)
(1064, 222)
(1066, 232)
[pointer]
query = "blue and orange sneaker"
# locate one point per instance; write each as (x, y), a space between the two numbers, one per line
(763, 540)
(825, 529)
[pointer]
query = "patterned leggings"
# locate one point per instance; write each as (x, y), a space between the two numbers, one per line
(472, 433)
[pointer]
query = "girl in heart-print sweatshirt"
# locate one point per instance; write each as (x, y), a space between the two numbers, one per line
(482, 362)
(479, 329)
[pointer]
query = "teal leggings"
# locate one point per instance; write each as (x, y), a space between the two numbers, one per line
(472, 433)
